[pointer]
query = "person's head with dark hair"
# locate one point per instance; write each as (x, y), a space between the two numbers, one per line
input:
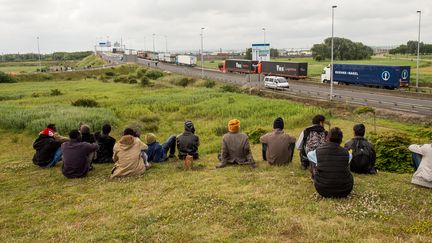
(129, 131)
(189, 126)
(75, 134)
(52, 126)
(106, 129)
(359, 130)
(335, 135)
(85, 129)
(97, 136)
(278, 123)
(318, 120)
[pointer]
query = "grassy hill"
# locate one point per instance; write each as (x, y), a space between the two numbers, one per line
(92, 60)
(169, 204)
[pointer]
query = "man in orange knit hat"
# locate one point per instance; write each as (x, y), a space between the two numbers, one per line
(235, 147)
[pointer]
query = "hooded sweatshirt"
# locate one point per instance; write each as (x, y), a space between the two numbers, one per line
(187, 143)
(127, 157)
(45, 146)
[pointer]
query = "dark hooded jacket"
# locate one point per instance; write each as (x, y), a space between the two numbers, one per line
(187, 143)
(105, 151)
(45, 147)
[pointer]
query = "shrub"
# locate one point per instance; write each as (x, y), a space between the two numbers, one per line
(141, 72)
(255, 134)
(154, 74)
(110, 74)
(121, 79)
(392, 152)
(209, 84)
(85, 103)
(55, 92)
(145, 81)
(149, 118)
(230, 88)
(132, 80)
(185, 82)
(6, 78)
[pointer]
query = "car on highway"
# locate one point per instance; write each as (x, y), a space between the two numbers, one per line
(275, 82)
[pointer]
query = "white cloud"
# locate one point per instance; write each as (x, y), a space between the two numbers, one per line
(230, 24)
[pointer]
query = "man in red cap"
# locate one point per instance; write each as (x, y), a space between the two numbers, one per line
(48, 151)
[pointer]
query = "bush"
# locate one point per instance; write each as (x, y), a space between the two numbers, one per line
(132, 80)
(6, 78)
(392, 152)
(255, 134)
(141, 72)
(85, 103)
(145, 81)
(219, 131)
(55, 92)
(149, 118)
(154, 74)
(185, 82)
(230, 88)
(110, 74)
(121, 79)
(209, 84)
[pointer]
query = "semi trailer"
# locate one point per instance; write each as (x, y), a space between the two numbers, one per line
(293, 70)
(390, 77)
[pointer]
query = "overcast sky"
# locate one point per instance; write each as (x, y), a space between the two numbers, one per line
(72, 25)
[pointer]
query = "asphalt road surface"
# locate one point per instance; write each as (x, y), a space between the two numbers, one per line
(351, 95)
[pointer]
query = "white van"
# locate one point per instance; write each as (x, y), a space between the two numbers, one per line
(275, 82)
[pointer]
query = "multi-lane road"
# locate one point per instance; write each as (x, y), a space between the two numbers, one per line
(393, 100)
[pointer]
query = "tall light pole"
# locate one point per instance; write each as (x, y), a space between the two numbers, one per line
(154, 48)
(40, 61)
(166, 44)
(202, 52)
(418, 50)
(145, 43)
(264, 31)
(331, 64)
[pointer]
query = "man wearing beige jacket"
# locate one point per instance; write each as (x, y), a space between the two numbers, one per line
(423, 174)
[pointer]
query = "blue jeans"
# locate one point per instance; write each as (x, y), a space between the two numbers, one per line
(170, 145)
(416, 158)
(57, 156)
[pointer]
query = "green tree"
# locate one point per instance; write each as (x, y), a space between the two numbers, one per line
(344, 49)
(248, 54)
(274, 53)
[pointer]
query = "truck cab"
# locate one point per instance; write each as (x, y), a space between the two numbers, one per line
(326, 75)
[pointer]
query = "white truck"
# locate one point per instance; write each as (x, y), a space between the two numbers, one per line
(186, 60)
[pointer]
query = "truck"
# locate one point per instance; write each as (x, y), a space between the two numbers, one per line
(292, 70)
(238, 66)
(186, 60)
(389, 77)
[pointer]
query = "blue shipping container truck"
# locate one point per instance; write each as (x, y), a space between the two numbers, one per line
(392, 77)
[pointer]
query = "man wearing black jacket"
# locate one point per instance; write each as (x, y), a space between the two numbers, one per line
(106, 145)
(48, 151)
(188, 142)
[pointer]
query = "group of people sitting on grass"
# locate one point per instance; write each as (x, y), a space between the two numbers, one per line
(330, 164)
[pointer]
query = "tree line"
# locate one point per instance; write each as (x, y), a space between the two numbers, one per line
(411, 48)
(56, 56)
(343, 49)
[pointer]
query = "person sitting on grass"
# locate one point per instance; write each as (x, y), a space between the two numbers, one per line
(86, 135)
(106, 145)
(75, 156)
(363, 153)
(48, 151)
(235, 147)
(158, 153)
(188, 142)
(128, 156)
(333, 177)
(422, 159)
(277, 146)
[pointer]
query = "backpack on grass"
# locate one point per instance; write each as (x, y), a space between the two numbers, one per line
(362, 157)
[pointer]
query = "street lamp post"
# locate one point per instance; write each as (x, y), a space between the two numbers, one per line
(264, 31)
(154, 48)
(40, 61)
(166, 44)
(418, 50)
(202, 52)
(331, 64)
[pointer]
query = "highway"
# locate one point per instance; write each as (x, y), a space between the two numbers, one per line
(372, 97)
